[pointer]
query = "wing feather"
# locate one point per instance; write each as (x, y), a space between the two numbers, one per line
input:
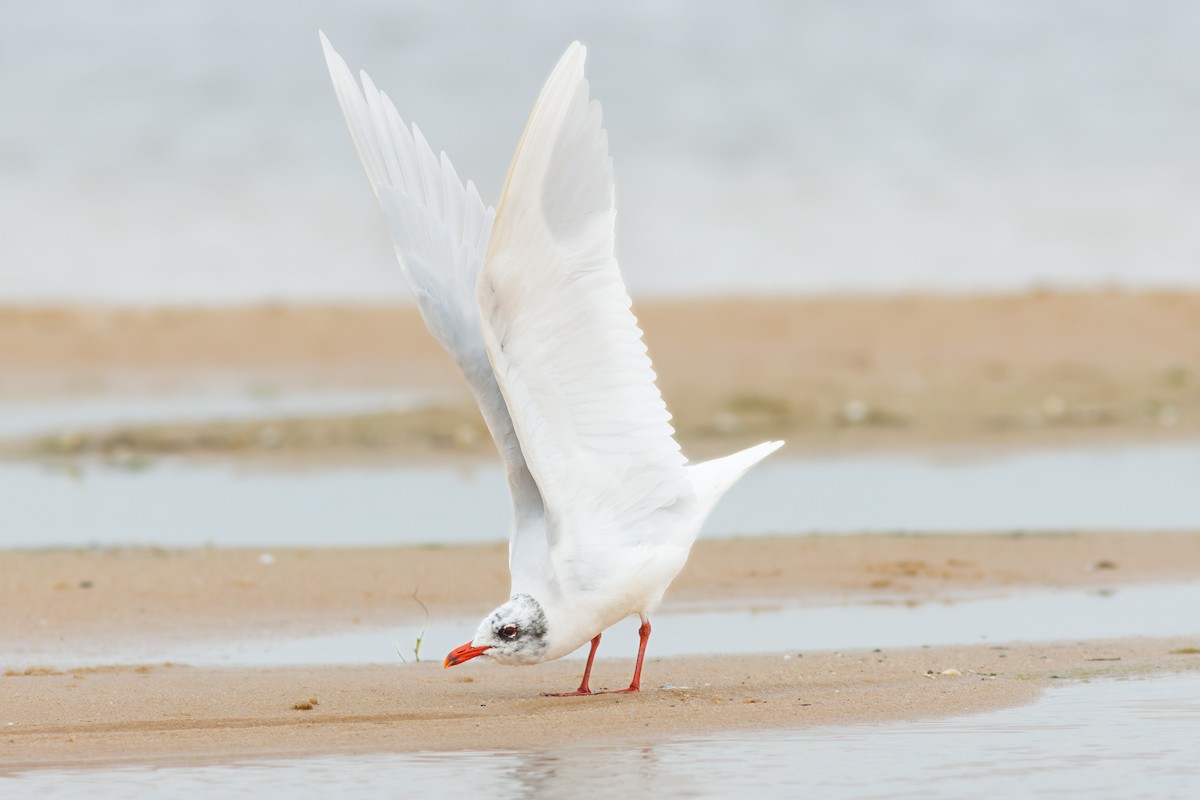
(440, 229)
(565, 347)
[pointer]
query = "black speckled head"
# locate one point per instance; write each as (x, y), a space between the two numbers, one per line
(515, 633)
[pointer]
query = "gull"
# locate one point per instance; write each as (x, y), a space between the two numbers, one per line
(527, 298)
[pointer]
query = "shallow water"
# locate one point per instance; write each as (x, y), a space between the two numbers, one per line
(1026, 616)
(1110, 739)
(100, 412)
(183, 504)
(195, 151)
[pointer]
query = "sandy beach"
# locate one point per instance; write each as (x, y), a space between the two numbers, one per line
(824, 373)
(833, 374)
(174, 712)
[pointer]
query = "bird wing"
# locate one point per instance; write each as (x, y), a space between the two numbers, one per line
(440, 229)
(564, 345)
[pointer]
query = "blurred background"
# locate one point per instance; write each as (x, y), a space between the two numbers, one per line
(949, 250)
(927, 243)
(193, 152)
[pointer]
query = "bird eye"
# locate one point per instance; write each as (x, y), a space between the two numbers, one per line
(509, 631)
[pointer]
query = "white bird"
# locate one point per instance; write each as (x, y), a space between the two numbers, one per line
(528, 300)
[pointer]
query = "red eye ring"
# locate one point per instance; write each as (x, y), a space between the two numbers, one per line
(509, 631)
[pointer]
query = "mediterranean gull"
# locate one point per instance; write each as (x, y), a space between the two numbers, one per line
(528, 300)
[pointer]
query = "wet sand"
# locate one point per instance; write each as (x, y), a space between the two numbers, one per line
(160, 713)
(820, 372)
(167, 713)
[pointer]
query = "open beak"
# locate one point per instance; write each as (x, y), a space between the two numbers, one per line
(465, 653)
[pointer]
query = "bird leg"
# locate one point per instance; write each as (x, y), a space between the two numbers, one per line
(587, 671)
(636, 685)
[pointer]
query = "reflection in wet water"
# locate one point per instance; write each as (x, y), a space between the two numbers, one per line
(1109, 739)
(1028, 617)
(175, 503)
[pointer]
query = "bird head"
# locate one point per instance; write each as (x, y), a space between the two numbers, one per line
(515, 633)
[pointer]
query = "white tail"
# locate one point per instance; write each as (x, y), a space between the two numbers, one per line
(711, 479)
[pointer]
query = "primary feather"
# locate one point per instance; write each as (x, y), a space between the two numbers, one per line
(440, 229)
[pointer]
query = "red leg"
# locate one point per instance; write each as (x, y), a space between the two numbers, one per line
(636, 685)
(587, 671)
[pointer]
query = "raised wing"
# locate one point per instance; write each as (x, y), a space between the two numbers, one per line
(440, 229)
(565, 348)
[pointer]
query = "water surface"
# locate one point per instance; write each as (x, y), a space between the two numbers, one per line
(185, 504)
(787, 629)
(65, 414)
(195, 151)
(1110, 739)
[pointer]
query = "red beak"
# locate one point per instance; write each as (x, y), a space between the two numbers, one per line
(465, 653)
